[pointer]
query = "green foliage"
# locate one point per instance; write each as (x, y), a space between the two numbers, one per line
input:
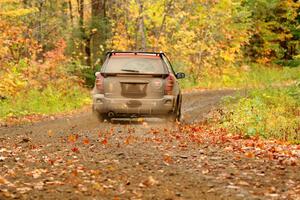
(275, 30)
(247, 76)
(92, 39)
(48, 101)
(289, 63)
(84, 72)
(269, 113)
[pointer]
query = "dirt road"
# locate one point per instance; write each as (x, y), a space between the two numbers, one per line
(78, 158)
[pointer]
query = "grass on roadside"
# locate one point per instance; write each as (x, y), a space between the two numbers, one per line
(272, 113)
(48, 101)
(252, 76)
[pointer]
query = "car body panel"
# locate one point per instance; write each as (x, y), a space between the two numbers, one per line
(134, 107)
(133, 86)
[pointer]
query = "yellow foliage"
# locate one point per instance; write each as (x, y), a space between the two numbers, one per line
(11, 83)
(9, 1)
(19, 12)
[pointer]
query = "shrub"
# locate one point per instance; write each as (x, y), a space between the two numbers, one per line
(52, 99)
(247, 76)
(269, 113)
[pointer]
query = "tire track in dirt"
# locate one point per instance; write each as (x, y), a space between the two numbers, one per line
(196, 105)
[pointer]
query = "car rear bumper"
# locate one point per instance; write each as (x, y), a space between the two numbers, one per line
(125, 106)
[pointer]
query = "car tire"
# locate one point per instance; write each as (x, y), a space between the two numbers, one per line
(99, 116)
(176, 115)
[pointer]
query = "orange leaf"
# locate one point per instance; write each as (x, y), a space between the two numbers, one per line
(86, 141)
(104, 141)
(73, 138)
(51, 162)
(249, 155)
(127, 140)
(168, 159)
(75, 149)
(50, 133)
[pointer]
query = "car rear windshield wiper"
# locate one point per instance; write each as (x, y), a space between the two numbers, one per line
(130, 70)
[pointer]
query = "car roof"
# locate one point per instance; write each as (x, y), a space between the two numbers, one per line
(134, 53)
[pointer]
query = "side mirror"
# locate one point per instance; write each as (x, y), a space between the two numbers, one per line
(97, 73)
(180, 75)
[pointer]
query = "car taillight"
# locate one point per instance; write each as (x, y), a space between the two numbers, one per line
(100, 83)
(169, 84)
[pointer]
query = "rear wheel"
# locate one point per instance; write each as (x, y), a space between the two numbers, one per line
(99, 116)
(176, 115)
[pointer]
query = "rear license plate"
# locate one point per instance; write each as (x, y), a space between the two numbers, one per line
(133, 90)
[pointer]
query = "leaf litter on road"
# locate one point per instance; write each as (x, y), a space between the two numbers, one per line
(91, 168)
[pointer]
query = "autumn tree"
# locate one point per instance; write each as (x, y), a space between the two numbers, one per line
(202, 37)
(275, 30)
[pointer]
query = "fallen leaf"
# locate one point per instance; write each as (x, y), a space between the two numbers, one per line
(129, 139)
(229, 148)
(244, 183)
(2, 158)
(75, 149)
(98, 187)
(3, 181)
(104, 141)
(38, 186)
(50, 133)
(149, 182)
(86, 141)
(233, 187)
(249, 155)
(73, 138)
(23, 190)
(168, 159)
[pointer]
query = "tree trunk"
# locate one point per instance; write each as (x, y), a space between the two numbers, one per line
(167, 11)
(26, 3)
(86, 39)
(71, 12)
(141, 38)
(40, 28)
(287, 53)
(127, 22)
(81, 14)
(88, 51)
(98, 8)
(99, 23)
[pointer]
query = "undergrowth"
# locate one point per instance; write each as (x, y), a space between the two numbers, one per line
(247, 76)
(50, 100)
(272, 113)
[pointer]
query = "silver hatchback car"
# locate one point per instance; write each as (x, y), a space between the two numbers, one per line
(137, 84)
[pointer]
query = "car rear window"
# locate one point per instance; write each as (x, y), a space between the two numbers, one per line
(135, 64)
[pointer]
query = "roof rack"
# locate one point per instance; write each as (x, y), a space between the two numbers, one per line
(109, 53)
